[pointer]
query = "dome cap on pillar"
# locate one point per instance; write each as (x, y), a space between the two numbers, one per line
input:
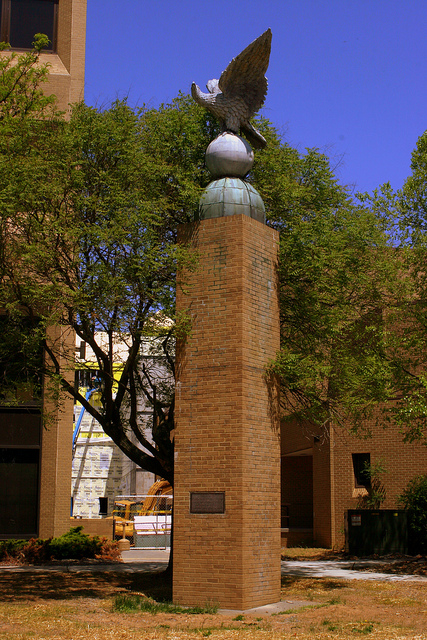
(229, 158)
(229, 197)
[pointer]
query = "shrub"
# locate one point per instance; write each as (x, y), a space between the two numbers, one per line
(414, 499)
(35, 551)
(73, 545)
(11, 548)
(110, 551)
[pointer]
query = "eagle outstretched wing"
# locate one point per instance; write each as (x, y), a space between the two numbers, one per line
(240, 91)
(245, 74)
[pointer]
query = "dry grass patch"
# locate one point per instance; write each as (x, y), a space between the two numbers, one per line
(385, 610)
(73, 606)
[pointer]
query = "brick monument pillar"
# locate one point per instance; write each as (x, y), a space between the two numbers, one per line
(227, 438)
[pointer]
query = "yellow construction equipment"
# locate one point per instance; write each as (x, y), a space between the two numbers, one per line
(125, 509)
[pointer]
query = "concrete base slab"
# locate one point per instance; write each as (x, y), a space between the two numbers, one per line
(271, 609)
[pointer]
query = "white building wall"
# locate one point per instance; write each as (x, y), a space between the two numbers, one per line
(97, 469)
(101, 470)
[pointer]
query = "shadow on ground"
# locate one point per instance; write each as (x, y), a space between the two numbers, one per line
(82, 584)
(324, 585)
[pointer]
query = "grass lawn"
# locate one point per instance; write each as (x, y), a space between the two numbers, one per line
(72, 606)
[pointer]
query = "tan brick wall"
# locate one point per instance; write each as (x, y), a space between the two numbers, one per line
(295, 437)
(67, 64)
(402, 462)
(101, 527)
(323, 484)
(56, 449)
(333, 477)
(297, 538)
(66, 81)
(66, 77)
(227, 435)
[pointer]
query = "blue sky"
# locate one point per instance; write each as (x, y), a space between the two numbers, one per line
(348, 77)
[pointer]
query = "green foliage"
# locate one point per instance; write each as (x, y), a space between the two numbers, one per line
(73, 545)
(21, 359)
(21, 93)
(414, 499)
(404, 214)
(376, 490)
(333, 269)
(125, 603)
(96, 252)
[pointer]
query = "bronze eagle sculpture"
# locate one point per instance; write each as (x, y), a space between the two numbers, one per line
(240, 91)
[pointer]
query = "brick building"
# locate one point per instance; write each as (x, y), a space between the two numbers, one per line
(64, 22)
(321, 478)
(35, 457)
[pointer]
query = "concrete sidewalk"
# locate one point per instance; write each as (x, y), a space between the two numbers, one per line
(344, 569)
(147, 560)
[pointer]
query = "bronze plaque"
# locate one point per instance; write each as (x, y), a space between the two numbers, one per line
(207, 502)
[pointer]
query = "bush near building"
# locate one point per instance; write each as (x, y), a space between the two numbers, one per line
(414, 499)
(73, 545)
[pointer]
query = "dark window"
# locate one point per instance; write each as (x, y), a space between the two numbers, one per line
(361, 463)
(19, 471)
(82, 350)
(22, 19)
(20, 427)
(103, 506)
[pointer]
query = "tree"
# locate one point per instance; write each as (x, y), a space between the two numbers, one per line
(404, 213)
(24, 108)
(89, 214)
(21, 79)
(414, 499)
(96, 251)
(334, 274)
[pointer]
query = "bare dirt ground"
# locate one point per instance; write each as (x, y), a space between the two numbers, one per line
(72, 606)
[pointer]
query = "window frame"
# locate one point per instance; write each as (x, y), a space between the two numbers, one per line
(103, 505)
(5, 25)
(359, 460)
(32, 448)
